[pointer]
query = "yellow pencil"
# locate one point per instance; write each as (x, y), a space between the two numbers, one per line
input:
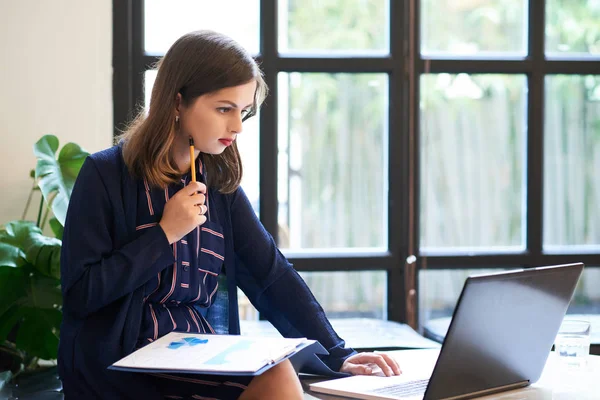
(192, 160)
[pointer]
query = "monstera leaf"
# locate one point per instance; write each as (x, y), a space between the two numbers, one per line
(30, 303)
(56, 176)
(22, 242)
(30, 295)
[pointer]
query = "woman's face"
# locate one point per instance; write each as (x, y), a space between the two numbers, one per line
(214, 120)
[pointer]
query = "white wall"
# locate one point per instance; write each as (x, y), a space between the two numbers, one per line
(55, 77)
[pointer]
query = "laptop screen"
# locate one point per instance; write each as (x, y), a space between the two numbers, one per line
(502, 330)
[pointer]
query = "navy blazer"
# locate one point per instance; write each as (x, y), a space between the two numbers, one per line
(105, 263)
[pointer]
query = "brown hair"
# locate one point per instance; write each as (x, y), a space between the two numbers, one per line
(198, 63)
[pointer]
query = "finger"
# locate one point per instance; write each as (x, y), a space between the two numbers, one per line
(383, 364)
(391, 361)
(364, 358)
(357, 369)
(197, 199)
(194, 187)
(200, 220)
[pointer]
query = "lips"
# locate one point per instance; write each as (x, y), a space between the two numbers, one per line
(226, 142)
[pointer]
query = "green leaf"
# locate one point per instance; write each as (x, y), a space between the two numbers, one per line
(15, 233)
(57, 176)
(22, 241)
(56, 227)
(13, 238)
(11, 256)
(12, 289)
(42, 292)
(31, 302)
(9, 319)
(38, 332)
(43, 253)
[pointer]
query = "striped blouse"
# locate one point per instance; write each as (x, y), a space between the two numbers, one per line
(192, 280)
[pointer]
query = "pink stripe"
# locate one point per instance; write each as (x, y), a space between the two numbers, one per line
(155, 322)
(209, 327)
(220, 257)
(188, 329)
(166, 194)
(213, 232)
(235, 384)
(137, 228)
(171, 315)
(187, 263)
(197, 241)
(183, 241)
(194, 318)
(199, 293)
(207, 272)
(185, 285)
(148, 197)
(178, 378)
(202, 320)
(213, 293)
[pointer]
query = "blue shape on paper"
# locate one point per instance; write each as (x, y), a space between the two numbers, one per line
(192, 341)
(189, 341)
(221, 358)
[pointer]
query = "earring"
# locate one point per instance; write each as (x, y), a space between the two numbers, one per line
(177, 119)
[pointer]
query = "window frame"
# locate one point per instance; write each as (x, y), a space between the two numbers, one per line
(404, 65)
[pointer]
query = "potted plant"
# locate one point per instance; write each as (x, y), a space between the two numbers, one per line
(30, 296)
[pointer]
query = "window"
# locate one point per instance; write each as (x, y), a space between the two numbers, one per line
(415, 142)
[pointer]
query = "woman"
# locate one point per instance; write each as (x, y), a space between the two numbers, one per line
(145, 246)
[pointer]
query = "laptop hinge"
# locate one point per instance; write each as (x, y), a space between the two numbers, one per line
(485, 392)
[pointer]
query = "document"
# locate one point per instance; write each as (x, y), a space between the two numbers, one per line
(180, 352)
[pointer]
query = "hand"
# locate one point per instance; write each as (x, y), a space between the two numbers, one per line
(364, 363)
(184, 212)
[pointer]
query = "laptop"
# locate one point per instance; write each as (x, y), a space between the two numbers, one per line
(499, 339)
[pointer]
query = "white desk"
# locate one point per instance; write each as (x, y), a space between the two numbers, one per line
(558, 382)
(359, 333)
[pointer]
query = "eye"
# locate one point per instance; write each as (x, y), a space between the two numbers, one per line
(245, 113)
(224, 110)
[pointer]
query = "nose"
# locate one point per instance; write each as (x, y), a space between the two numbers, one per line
(235, 125)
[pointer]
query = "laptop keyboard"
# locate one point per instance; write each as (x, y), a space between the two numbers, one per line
(412, 388)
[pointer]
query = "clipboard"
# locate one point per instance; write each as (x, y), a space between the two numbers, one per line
(193, 353)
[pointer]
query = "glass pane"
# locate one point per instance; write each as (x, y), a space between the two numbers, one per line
(586, 299)
(572, 161)
(245, 308)
(247, 142)
(472, 162)
(332, 173)
(166, 21)
(572, 26)
(248, 145)
(468, 27)
(361, 294)
(439, 291)
(149, 78)
(351, 26)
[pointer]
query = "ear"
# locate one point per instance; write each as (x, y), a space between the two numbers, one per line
(178, 103)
